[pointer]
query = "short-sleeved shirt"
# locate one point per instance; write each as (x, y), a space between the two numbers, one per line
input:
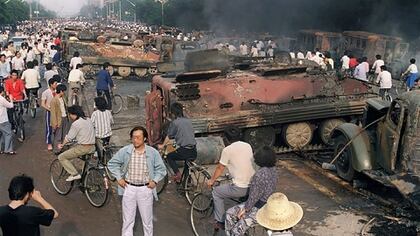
(239, 160)
(413, 69)
(47, 95)
(15, 88)
(31, 78)
(182, 131)
(24, 220)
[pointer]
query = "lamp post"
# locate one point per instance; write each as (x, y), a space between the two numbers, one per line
(162, 3)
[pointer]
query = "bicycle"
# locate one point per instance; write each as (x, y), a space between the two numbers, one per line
(106, 156)
(94, 182)
(193, 179)
(32, 104)
(201, 214)
(116, 99)
(75, 96)
(18, 123)
(386, 96)
(63, 70)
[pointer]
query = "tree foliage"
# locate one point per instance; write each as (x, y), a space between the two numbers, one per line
(16, 10)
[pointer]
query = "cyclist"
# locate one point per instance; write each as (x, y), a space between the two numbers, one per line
(6, 137)
(385, 80)
(238, 158)
(412, 73)
(76, 80)
(46, 98)
(83, 133)
(75, 60)
(240, 217)
(31, 78)
(182, 131)
(59, 119)
(102, 121)
(104, 83)
(15, 89)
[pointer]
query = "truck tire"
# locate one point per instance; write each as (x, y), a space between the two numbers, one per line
(124, 71)
(298, 135)
(344, 162)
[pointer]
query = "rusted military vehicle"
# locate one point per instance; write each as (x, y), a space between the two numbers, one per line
(325, 41)
(389, 150)
(283, 106)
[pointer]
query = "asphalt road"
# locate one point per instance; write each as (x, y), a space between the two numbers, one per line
(329, 209)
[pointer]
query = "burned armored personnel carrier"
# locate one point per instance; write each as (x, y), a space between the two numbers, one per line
(278, 106)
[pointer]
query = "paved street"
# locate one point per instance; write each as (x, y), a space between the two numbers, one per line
(329, 209)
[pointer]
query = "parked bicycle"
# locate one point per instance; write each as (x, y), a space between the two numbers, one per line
(94, 182)
(18, 124)
(201, 213)
(193, 179)
(116, 100)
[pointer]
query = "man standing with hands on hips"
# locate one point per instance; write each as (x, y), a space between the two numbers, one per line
(138, 168)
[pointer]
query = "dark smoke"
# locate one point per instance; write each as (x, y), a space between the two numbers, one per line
(393, 17)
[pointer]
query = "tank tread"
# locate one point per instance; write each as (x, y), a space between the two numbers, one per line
(308, 148)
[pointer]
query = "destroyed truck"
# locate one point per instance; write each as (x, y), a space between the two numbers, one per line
(284, 107)
(388, 150)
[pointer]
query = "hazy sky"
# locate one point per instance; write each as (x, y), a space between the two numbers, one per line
(63, 7)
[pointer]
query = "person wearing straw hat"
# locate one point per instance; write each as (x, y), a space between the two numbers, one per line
(279, 215)
(241, 217)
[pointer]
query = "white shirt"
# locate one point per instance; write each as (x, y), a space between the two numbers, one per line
(18, 63)
(300, 55)
(4, 69)
(74, 61)
(62, 107)
(254, 52)
(345, 60)
(30, 56)
(360, 72)
(385, 80)
(49, 74)
(377, 66)
(31, 78)
(102, 121)
(412, 69)
(76, 75)
(292, 55)
(4, 104)
(243, 49)
(47, 95)
(239, 159)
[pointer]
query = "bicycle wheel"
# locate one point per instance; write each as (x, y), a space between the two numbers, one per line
(117, 104)
(58, 178)
(195, 183)
(162, 184)
(388, 97)
(96, 187)
(201, 215)
(75, 100)
(32, 107)
(107, 157)
(21, 130)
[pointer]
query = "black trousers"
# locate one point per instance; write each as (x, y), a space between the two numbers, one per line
(181, 154)
(99, 93)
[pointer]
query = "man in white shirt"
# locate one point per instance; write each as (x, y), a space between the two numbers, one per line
(30, 56)
(49, 73)
(243, 48)
(31, 78)
(238, 158)
(18, 63)
(377, 64)
(300, 55)
(385, 80)
(76, 80)
(76, 59)
(46, 99)
(5, 126)
(361, 70)
(412, 73)
(345, 62)
(4, 67)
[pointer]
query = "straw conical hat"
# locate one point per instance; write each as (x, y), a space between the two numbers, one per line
(279, 213)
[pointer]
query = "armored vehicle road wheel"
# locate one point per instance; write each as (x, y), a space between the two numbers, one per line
(298, 135)
(153, 71)
(261, 136)
(124, 71)
(140, 72)
(344, 161)
(326, 128)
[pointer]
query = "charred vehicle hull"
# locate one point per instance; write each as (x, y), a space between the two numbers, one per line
(283, 107)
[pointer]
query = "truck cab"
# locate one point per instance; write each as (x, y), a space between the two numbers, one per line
(389, 150)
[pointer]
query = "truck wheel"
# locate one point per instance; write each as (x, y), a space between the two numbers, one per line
(124, 71)
(326, 128)
(298, 135)
(344, 162)
(261, 136)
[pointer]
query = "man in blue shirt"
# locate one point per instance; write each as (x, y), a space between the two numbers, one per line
(104, 83)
